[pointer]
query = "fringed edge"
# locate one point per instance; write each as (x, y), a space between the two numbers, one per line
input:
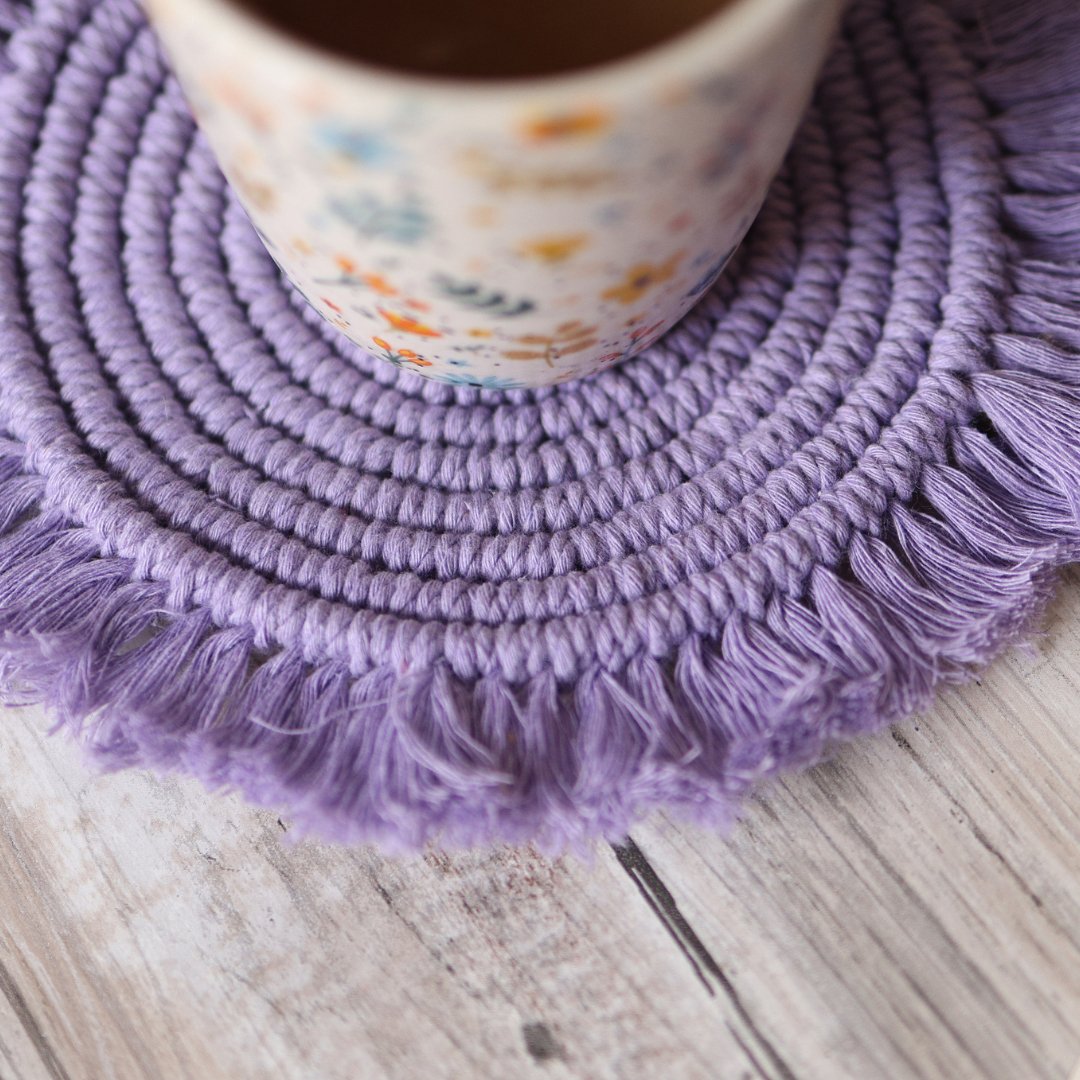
(405, 758)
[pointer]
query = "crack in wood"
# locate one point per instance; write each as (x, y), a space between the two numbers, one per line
(744, 1046)
(904, 743)
(30, 1025)
(664, 906)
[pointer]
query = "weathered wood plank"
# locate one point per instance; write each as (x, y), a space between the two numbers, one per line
(153, 932)
(910, 910)
(915, 904)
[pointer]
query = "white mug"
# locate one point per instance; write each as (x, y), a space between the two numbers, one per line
(497, 233)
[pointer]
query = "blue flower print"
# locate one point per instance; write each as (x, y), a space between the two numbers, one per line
(472, 295)
(402, 222)
(363, 146)
(480, 382)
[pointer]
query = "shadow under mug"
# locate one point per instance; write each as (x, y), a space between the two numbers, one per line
(496, 233)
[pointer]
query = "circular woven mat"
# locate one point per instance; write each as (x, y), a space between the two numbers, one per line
(233, 544)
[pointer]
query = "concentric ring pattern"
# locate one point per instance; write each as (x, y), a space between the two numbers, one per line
(531, 612)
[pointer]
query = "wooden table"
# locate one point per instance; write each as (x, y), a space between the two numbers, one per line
(911, 910)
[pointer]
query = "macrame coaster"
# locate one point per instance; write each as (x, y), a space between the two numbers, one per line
(233, 545)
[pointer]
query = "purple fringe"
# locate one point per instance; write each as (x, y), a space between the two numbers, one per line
(402, 757)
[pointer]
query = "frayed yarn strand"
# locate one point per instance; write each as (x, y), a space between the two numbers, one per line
(234, 545)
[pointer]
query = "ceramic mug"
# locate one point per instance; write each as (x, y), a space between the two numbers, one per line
(510, 233)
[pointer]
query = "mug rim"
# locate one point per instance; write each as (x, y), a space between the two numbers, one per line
(725, 36)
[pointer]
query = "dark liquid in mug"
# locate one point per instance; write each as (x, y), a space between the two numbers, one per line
(485, 38)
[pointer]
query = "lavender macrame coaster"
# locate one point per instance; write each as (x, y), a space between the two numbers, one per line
(233, 545)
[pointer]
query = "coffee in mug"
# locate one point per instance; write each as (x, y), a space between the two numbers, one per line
(485, 39)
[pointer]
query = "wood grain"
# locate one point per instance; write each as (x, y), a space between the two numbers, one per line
(910, 910)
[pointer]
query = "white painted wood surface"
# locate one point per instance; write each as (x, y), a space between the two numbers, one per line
(911, 910)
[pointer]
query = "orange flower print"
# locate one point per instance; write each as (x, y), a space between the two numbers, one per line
(646, 334)
(483, 216)
(575, 124)
(640, 279)
(569, 338)
(256, 192)
(399, 357)
(313, 99)
(480, 332)
(237, 99)
(677, 93)
(336, 316)
(350, 276)
(408, 325)
(377, 283)
(554, 249)
(509, 176)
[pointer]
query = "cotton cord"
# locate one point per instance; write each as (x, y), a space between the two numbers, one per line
(235, 545)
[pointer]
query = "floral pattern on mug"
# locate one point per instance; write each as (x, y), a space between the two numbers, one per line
(639, 280)
(498, 239)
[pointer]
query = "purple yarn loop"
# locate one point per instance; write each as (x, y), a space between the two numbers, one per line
(234, 545)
